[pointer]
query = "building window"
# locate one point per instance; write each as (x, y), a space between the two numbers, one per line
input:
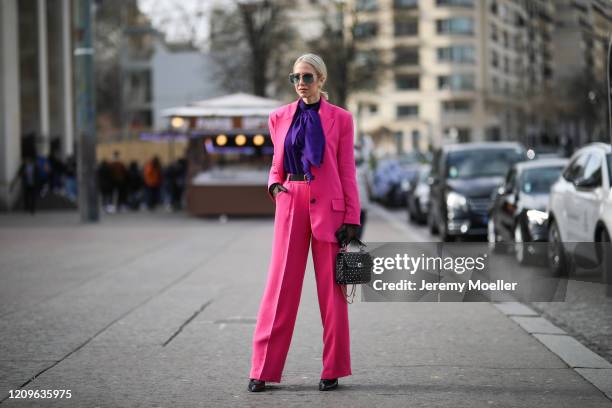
(494, 37)
(494, 59)
(457, 106)
(506, 65)
(457, 25)
(404, 111)
(365, 31)
(518, 42)
(406, 27)
(407, 56)
(366, 59)
(518, 67)
(404, 82)
(405, 4)
(462, 135)
(461, 3)
(464, 54)
(495, 84)
(366, 5)
(493, 134)
(457, 82)
(372, 109)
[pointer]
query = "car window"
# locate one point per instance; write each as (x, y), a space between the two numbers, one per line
(481, 162)
(575, 169)
(592, 168)
(539, 181)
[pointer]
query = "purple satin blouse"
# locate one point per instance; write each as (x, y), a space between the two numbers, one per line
(305, 141)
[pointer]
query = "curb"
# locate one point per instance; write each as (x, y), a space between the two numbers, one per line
(589, 365)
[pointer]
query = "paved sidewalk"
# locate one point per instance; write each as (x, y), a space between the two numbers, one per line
(158, 310)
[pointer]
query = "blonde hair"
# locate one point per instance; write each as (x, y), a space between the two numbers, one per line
(318, 64)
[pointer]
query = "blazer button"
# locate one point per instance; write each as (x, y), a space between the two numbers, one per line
(312, 200)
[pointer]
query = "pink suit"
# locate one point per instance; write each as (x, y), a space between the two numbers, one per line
(308, 211)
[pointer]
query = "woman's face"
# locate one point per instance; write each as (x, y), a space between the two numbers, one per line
(303, 89)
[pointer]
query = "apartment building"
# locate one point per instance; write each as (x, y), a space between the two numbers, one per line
(461, 70)
(583, 28)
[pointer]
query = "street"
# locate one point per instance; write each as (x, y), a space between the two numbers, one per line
(158, 310)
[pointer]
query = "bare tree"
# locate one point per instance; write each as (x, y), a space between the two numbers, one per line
(247, 40)
(107, 41)
(583, 103)
(350, 68)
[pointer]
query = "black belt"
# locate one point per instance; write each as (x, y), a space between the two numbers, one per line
(297, 177)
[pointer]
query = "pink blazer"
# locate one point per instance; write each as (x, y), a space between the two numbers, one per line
(334, 195)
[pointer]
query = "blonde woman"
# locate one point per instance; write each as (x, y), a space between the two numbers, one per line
(313, 184)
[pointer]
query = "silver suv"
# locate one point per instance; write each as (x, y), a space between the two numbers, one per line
(580, 204)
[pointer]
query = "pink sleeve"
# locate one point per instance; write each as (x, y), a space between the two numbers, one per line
(348, 172)
(274, 176)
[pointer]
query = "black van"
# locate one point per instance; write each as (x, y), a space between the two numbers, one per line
(462, 181)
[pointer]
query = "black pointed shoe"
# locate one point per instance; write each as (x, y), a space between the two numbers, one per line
(326, 385)
(256, 385)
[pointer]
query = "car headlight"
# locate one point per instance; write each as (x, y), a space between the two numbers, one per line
(537, 217)
(456, 201)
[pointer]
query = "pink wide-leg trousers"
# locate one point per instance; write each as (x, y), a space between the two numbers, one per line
(281, 298)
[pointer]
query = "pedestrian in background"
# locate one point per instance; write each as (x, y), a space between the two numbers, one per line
(152, 181)
(135, 184)
(177, 183)
(119, 177)
(57, 168)
(30, 182)
(44, 174)
(105, 185)
(313, 183)
(70, 182)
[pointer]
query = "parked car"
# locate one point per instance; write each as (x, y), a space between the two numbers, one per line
(462, 181)
(518, 213)
(580, 204)
(391, 178)
(417, 199)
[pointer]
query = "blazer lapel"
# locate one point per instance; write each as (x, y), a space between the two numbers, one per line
(282, 127)
(327, 118)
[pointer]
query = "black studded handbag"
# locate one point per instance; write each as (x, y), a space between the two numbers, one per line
(353, 268)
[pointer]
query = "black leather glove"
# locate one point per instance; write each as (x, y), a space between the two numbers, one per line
(346, 233)
(275, 188)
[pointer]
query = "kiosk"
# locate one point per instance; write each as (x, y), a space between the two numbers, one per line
(229, 154)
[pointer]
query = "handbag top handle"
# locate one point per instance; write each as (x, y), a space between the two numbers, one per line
(344, 247)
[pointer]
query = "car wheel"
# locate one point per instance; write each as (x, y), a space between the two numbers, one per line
(520, 248)
(410, 213)
(492, 237)
(557, 260)
(431, 222)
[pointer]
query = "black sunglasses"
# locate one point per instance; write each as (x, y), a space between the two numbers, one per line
(295, 78)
